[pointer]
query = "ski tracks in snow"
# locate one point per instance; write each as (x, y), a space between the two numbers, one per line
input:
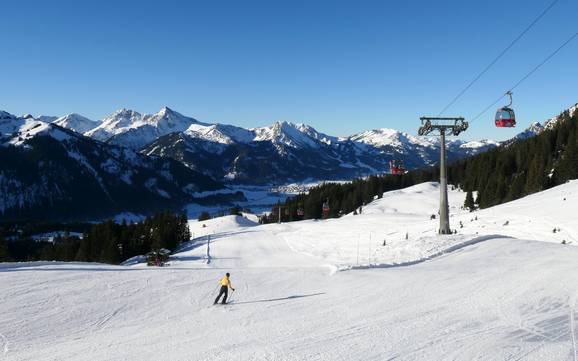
(572, 305)
(572, 311)
(5, 343)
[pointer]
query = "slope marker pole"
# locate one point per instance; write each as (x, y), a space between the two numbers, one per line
(358, 236)
(369, 251)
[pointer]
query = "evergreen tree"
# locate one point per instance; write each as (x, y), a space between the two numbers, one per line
(235, 211)
(502, 174)
(4, 252)
(204, 216)
(469, 202)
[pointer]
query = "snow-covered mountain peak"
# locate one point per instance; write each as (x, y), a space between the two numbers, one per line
(168, 121)
(131, 129)
(378, 137)
(535, 126)
(386, 137)
(76, 122)
(17, 130)
(124, 113)
(476, 144)
(220, 133)
(116, 123)
(292, 135)
(167, 111)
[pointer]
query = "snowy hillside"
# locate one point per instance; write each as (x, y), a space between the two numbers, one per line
(480, 294)
(408, 212)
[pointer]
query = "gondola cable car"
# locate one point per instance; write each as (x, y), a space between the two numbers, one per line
(396, 167)
(505, 117)
(300, 211)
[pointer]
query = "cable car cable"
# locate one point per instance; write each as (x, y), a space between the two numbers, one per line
(498, 57)
(526, 76)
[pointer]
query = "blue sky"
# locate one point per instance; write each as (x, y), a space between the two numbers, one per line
(341, 66)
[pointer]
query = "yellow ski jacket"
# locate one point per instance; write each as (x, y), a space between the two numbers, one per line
(225, 282)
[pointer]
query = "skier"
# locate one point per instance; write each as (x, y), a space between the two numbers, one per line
(225, 284)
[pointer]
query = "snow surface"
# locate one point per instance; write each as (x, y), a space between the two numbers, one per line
(477, 295)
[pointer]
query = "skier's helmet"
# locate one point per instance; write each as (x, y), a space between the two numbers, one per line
(227, 274)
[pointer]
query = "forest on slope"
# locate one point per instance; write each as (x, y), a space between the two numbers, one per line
(508, 172)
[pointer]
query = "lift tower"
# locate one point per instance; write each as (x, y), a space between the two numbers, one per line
(445, 126)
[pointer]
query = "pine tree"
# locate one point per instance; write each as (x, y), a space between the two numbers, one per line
(4, 252)
(83, 253)
(568, 165)
(535, 179)
(204, 216)
(469, 202)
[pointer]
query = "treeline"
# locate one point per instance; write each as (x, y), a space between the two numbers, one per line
(343, 198)
(500, 175)
(522, 167)
(107, 242)
(233, 211)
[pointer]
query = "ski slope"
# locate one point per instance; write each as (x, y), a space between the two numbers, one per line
(305, 292)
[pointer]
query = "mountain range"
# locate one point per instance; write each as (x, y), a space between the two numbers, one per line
(281, 153)
(72, 166)
(49, 172)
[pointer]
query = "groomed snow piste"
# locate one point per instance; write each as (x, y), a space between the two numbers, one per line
(376, 286)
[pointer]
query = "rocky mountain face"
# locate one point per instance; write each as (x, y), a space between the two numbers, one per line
(49, 172)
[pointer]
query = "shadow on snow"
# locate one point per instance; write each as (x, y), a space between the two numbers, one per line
(279, 299)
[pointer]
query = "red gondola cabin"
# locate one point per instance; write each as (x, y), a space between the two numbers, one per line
(396, 168)
(505, 117)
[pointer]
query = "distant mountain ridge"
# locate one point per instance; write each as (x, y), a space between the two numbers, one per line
(280, 153)
(50, 172)
(130, 162)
